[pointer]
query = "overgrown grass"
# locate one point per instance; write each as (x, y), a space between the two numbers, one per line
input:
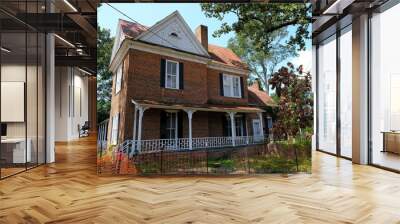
(282, 157)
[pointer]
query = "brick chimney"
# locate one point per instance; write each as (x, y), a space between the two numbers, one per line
(256, 84)
(202, 35)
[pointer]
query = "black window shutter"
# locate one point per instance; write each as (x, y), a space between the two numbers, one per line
(162, 73)
(163, 125)
(221, 84)
(180, 124)
(241, 87)
(181, 75)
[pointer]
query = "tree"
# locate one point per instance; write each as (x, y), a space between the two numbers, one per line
(293, 87)
(262, 64)
(257, 21)
(104, 76)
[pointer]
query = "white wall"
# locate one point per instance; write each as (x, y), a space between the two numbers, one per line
(16, 73)
(71, 102)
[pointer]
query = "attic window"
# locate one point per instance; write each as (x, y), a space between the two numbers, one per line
(173, 34)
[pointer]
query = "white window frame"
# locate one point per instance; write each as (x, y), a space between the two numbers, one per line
(118, 80)
(172, 114)
(240, 123)
(176, 75)
(231, 92)
(257, 125)
(114, 129)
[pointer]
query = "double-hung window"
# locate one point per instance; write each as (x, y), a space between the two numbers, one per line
(118, 80)
(172, 74)
(172, 125)
(239, 126)
(232, 86)
(114, 129)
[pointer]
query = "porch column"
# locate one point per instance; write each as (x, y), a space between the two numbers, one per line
(190, 115)
(139, 137)
(261, 124)
(134, 129)
(247, 129)
(233, 127)
(134, 123)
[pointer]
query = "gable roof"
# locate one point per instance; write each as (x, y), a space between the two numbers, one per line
(259, 97)
(136, 31)
(183, 38)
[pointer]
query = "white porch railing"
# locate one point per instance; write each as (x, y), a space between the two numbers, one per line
(102, 135)
(181, 144)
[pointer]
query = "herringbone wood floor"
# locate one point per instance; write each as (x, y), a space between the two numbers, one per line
(69, 191)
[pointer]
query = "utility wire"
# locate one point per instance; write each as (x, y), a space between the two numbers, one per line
(124, 14)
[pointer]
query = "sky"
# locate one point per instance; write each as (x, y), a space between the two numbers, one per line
(150, 13)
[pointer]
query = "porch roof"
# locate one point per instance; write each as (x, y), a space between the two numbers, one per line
(197, 107)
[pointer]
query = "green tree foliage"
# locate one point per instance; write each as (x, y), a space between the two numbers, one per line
(293, 87)
(104, 76)
(262, 64)
(257, 21)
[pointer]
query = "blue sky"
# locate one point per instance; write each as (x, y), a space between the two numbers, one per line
(149, 13)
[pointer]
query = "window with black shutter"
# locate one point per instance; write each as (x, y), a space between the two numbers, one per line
(221, 84)
(162, 73)
(172, 75)
(241, 87)
(231, 86)
(181, 80)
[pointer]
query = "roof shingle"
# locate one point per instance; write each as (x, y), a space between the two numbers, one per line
(259, 97)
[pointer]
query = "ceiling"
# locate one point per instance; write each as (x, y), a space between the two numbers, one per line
(329, 15)
(73, 21)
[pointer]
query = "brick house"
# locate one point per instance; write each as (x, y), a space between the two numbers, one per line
(171, 87)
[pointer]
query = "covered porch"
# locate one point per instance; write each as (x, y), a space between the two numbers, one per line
(168, 127)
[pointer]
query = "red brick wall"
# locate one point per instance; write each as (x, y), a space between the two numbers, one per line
(118, 102)
(151, 124)
(215, 124)
(141, 81)
(144, 82)
(199, 125)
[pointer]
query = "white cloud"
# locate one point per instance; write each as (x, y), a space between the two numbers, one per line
(305, 59)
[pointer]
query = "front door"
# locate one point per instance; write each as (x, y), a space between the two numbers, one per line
(257, 130)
